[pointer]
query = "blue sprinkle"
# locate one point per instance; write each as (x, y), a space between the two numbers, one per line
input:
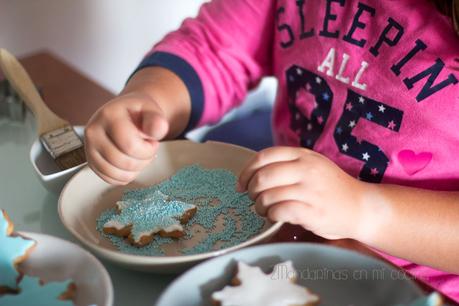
(212, 191)
(153, 212)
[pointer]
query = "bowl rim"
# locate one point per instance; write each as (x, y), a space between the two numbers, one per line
(106, 279)
(279, 245)
(138, 260)
(49, 177)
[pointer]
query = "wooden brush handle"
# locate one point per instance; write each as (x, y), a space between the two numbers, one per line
(20, 80)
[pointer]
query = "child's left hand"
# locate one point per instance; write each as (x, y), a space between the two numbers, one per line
(300, 186)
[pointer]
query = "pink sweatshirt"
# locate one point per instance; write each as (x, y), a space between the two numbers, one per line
(371, 84)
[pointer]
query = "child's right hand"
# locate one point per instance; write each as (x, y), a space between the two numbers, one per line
(122, 137)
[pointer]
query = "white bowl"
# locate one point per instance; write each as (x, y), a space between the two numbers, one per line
(54, 259)
(85, 196)
(51, 177)
(338, 276)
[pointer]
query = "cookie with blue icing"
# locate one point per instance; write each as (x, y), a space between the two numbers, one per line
(14, 249)
(33, 293)
(139, 219)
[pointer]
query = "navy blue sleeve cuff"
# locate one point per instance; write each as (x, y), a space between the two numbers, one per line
(187, 74)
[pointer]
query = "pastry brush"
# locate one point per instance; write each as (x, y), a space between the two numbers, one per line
(57, 135)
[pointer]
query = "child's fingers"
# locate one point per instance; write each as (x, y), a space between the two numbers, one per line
(273, 175)
(95, 167)
(122, 161)
(263, 158)
(108, 170)
(114, 156)
(154, 125)
(107, 179)
(128, 139)
(293, 212)
(276, 195)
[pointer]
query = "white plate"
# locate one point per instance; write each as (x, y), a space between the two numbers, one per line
(338, 276)
(86, 196)
(54, 259)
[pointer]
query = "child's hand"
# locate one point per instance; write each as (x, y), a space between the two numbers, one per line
(122, 137)
(302, 187)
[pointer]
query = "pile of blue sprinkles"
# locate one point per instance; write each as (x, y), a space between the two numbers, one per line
(194, 184)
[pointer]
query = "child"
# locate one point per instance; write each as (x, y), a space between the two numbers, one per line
(368, 93)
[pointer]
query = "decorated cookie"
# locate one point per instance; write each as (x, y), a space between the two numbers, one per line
(434, 299)
(33, 293)
(252, 287)
(14, 249)
(141, 219)
(224, 217)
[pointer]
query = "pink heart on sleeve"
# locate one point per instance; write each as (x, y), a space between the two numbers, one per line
(412, 163)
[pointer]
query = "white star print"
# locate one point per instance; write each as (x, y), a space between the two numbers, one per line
(318, 80)
(361, 100)
(345, 147)
(381, 108)
(309, 127)
(291, 78)
(352, 124)
(366, 156)
(298, 70)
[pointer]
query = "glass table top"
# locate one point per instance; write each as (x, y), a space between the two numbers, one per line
(32, 208)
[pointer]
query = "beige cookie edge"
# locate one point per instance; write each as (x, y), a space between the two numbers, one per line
(125, 232)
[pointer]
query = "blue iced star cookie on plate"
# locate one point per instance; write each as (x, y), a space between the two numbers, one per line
(33, 293)
(14, 250)
(141, 218)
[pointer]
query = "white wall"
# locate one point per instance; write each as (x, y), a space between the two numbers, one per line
(105, 39)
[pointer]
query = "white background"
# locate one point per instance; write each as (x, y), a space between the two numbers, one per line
(105, 39)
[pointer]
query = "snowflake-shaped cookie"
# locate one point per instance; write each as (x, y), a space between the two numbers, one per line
(140, 219)
(252, 287)
(14, 249)
(32, 293)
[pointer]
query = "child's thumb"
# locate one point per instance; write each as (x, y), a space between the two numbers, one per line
(154, 125)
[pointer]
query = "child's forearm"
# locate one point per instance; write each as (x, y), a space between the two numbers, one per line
(168, 91)
(419, 225)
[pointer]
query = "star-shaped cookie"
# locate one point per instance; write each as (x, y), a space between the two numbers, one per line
(252, 287)
(14, 249)
(33, 293)
(140, 219)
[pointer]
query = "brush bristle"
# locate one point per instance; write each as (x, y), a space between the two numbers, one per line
(71, 159)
